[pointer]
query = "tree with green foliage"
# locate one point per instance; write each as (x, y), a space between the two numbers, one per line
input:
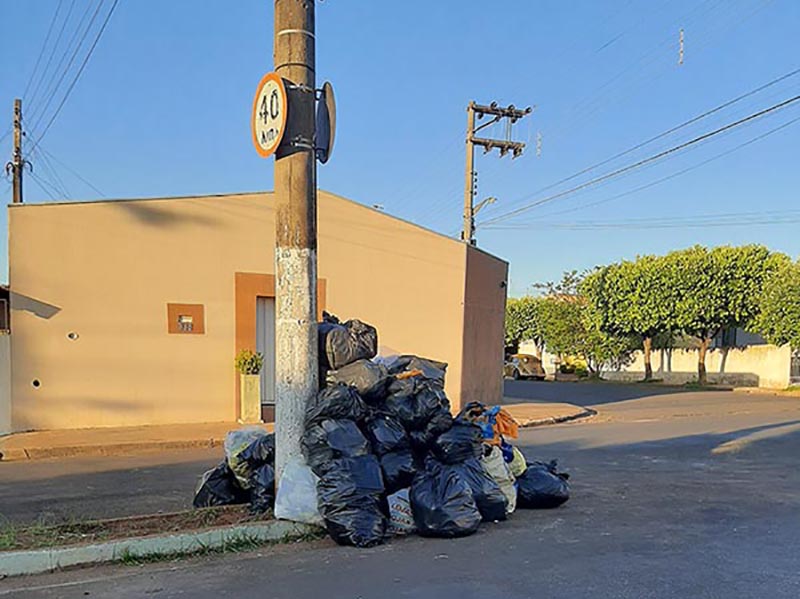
(523, 322)
(569, 327)
(717, 289)
(633, 299)
(779, 317)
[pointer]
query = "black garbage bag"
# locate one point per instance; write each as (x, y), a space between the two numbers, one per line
(398, 470)
(371, 380)
(336, 402)
(218, 487)
(439, 423)
(489, 498)
(351, 502)
(259, 452)
(461, 442)
(343, 344)
(414, 402)
(443, 504)
(328, 440)
(262, 489)
(385, 434)
(541, 486)
(430, 369)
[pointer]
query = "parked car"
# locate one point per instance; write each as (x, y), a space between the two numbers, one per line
(523, 366)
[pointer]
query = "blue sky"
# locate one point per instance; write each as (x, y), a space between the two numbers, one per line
(163, 109)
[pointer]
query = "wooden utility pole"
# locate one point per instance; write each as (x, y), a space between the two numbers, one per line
(469, 179)
(296, 378)
(17, 164)
(504, 145)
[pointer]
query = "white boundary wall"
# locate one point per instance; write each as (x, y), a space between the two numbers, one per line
(5, 383)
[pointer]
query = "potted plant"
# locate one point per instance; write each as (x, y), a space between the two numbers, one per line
(249, 365)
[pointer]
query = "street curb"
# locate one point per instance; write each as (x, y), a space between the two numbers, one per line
(586, 413)
(15, 563)
(117, 449)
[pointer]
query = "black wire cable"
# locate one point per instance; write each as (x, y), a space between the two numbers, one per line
(38, 86)
(643, 162)
(44, 46)
(51, 93)
(78, 74)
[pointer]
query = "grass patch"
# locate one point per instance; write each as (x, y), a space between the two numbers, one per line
(240, 544)
(44, 534)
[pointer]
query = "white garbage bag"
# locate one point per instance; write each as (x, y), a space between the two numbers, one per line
(496, 467)
(297, 494)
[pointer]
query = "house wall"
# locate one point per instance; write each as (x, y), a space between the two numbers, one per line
(750, 366)
(106, 271)
(5, 383)
(484, 313)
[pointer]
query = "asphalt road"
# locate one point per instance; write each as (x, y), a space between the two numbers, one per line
(679, 495)
(585, 394)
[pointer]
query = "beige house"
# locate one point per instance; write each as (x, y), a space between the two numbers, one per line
(130, 312)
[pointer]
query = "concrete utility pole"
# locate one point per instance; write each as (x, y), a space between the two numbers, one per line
(504, 145)
(296, 378)
(17, 164)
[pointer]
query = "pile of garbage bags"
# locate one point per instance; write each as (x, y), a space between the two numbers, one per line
(383, 455)
(246, 476)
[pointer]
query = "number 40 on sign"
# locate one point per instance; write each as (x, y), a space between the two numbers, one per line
(268, 121)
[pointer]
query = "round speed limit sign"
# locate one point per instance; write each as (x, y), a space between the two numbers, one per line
(268, 121)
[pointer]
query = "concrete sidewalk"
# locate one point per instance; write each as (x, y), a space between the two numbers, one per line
(144, 439)
(114, 441)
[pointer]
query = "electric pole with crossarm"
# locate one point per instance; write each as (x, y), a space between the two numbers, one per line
(504, 145)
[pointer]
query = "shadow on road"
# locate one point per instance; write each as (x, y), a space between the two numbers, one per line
(584, 394)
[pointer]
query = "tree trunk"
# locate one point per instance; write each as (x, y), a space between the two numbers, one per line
(647, 342)
(702, 378)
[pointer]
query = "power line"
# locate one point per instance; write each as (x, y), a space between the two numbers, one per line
(644, 161)
(696, 221)
(44, 46)
(78, 74)
(33, 97)
(673, 129)
(673, 175)
(72, 171)
(45, 186)
(50, 93)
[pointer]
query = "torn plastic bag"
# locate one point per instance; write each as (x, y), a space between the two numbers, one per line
(236, 442)
(442, 504)
(262, 493)
(336, 402)
(218, 487)
(398, 469)
(461, 442)
(343, 344)
(297, 494)
(330, 439)
(401, 519)
(428, 369)
(350, 497)
(371, 380)
(495, 466)
(489, 498)
(385, 434)
(541, 486)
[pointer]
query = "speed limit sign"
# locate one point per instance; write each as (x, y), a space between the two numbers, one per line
(268, 122)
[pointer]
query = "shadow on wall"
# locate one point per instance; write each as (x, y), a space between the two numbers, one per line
(155, 216)
(34, 306)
